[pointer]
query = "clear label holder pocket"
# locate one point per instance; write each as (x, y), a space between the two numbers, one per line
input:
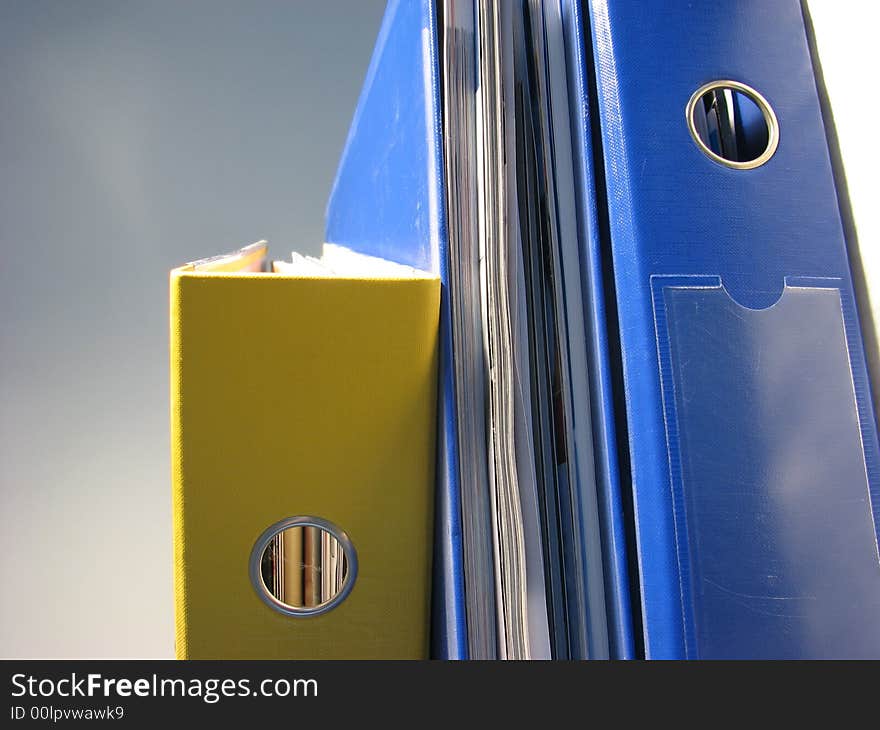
(777, 546)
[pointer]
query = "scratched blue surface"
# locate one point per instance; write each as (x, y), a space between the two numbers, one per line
(389, 201)
(773, 521)
(756, 484)
(620, 622)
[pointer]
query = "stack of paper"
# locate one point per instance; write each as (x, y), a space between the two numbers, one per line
(533, 567)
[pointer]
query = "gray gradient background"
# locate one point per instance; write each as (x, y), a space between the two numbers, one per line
(135, 136)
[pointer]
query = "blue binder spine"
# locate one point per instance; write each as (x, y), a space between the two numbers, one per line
(752, 437)
(614, 547)
(388, 201)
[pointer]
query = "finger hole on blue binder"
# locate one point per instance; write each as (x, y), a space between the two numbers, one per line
(733, 124)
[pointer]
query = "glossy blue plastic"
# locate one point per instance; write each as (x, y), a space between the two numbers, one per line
(752, 436)
(388, 200)
(620, 622)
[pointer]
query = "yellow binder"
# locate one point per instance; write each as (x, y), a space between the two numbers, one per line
(312, 398)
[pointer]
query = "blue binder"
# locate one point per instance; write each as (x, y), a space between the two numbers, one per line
(605, 447)
(752, 438)
(388, 200)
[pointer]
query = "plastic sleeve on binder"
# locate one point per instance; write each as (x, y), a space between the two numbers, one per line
(773, 529)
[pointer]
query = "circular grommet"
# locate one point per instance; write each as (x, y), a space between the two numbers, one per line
(303, 566)
(768, 133)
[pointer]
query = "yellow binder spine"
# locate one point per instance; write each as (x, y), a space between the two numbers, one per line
(302, 396)
(177, 494)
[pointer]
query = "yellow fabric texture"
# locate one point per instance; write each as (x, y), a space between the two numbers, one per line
(302, 396)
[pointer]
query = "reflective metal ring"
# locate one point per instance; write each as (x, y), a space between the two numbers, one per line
(262, 543)
(766, 110)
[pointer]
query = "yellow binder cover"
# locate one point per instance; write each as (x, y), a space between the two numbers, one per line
(295, 395)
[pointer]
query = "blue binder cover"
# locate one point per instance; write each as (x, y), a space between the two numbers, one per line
(753, 442)
(620, 621)
(388, 200)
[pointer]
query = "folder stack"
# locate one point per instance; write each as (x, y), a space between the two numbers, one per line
(652, 416)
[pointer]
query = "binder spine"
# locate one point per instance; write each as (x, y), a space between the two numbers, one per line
(614, 541)
(177, 495)
(752, 439)
(388, 200)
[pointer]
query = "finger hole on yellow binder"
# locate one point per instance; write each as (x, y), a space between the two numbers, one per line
(303, 566)
(733, 124)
